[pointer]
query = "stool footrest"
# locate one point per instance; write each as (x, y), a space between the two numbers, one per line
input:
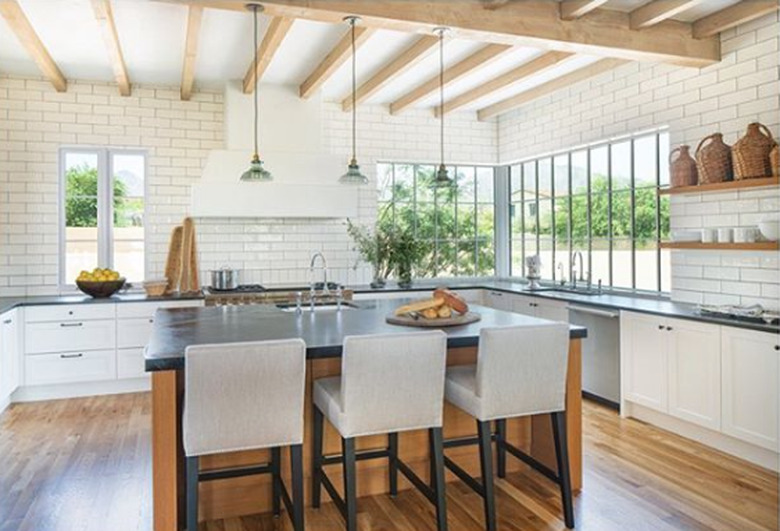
(533, 463)
(237, 472)
(464, 476)
(465, 441)
(415, 480)
(337, 459)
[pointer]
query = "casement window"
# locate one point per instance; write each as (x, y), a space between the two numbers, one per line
(457, 225)
(601, 200)
(102, 212)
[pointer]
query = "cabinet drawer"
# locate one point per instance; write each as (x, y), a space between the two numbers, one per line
(70, 367)
(134, 332)
(137, 310)
(69, 336)
(68, 312)
(130, 363)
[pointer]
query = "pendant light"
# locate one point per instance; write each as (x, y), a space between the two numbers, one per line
(353, 175)
(442, 178)
(256, 171)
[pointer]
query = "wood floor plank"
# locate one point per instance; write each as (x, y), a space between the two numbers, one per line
(85, 464)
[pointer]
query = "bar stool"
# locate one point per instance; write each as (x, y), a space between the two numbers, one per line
(520, 371)
(245, 396)
(388, 384)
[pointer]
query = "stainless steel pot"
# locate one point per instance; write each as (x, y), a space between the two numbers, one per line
(224, 279)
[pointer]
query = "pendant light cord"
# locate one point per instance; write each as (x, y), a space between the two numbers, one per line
(254, 9)
(441, 92)
(354, 95)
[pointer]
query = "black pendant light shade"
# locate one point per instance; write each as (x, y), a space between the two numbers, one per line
(256, 171)
(442, 178)
(353, 175)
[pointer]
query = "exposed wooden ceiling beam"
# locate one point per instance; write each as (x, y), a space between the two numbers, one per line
(657, 11)
(24, 31)
(194, 17)
(566, 80)
(574, 9)
(533, 23)
(478, 59)
(105, 18)
(337, 56)
(515, 75)
(745, 11)
(407, 59)
(274, 35)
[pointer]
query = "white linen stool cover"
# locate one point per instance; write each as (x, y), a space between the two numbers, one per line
(520, 370)
(388, 383)
(243, 396)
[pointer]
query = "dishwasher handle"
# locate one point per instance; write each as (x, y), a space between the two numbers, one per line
(593, 311)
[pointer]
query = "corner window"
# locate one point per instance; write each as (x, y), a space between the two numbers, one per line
(103, 206)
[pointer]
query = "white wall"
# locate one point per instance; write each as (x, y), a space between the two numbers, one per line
(35, 121)
(742, 88)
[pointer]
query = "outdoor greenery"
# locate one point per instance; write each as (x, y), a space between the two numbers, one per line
(81, 191)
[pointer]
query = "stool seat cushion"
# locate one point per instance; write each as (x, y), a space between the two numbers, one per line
(327, 397)
(460, 389)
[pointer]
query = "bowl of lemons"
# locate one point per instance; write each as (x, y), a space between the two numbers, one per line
(100, 283)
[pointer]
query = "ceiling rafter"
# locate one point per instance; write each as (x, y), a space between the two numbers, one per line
(535, 24)
(194, 18)
(574, 9)
(524, 71)
(105, 17)
(657, 11)
(20, 25)
(478, 59)
(273, 38)
(401, 63)
(337, 57)
(599, 67)
(740, 13)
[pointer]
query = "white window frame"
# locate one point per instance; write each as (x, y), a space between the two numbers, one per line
(105, 210)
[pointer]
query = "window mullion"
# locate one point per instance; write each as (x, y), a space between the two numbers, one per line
(104, 210)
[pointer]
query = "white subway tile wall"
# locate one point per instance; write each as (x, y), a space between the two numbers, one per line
(35, 121)
(693, 103)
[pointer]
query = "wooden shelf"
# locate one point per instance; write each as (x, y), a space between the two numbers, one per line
(757, 246)
(721, 187)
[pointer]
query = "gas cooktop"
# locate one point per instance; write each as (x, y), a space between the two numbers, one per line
(243, 288)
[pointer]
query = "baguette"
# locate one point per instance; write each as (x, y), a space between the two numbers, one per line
(419, 306)
(452, 299)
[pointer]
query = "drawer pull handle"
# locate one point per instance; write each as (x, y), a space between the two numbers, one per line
(69, 356)
(8, 321)
(151, 320)
(71, 325)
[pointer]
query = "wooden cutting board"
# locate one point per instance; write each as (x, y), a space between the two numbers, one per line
(173, 263)
(421, 322)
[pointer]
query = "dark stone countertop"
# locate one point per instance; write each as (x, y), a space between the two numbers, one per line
(324, 331)
(9, 303)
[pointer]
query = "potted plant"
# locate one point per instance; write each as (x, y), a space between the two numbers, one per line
(374, 246)
(407, 251)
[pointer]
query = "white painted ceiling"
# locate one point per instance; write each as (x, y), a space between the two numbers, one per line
(152, 38)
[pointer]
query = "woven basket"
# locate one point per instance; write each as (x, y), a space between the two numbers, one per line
(751, 153)
(774, 160)
(682, 170)
(713, 160)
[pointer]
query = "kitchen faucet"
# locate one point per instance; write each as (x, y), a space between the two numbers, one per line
(573, 270)
(325, 289)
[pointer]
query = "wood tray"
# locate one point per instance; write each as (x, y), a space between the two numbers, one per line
(421, 322)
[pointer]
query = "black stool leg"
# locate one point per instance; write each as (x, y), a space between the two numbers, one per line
(350, 487)
(296, 464)
(276, 481)
(316, 447)
(500, 448)
(486, 464)
(437, 480)
(392, 447)
(192, 493)
(562, 458)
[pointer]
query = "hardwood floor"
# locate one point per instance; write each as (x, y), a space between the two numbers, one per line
(85, 464)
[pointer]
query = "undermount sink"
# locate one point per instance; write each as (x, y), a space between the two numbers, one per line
(577, 291)
(322, 307)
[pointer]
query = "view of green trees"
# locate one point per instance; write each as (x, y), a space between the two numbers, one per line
(455, 224)
(81, 190)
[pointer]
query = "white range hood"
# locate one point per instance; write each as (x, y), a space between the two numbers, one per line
(305, 176)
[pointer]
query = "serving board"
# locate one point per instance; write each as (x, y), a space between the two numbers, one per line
(455, 320)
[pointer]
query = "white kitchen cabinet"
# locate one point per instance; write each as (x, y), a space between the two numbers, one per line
(10, 358)
(552, 310)
(131, 333)
(130, 363)
(644, 356)
(694, 372)
(40, 338)
(69, 312)
(750, 386)
(70, 367)
(523, 305)
(499, 300)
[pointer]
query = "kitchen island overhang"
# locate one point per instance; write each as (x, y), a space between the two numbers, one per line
(323, 332)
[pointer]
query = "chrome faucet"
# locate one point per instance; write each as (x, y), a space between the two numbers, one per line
(325, 289)
(574, 270)
(560, 274)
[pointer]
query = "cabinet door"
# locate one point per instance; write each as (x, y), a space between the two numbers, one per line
(694, 372)
(134, 332)
(9, 355)
(46, 337)
(750, 386)
(499, 300)
(130, 363)
(524, 305)
(644, 347)
(554, 311)
(70, 367)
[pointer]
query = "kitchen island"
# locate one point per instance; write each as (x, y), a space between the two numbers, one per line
(323, 332)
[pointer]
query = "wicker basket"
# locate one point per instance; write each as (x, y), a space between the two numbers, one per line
(751, 153)
(682, 170)
(774, 160)
(713, 160)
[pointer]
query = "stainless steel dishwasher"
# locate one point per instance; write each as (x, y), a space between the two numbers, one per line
(600, 353)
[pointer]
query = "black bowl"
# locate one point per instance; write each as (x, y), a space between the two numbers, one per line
(100, 290)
